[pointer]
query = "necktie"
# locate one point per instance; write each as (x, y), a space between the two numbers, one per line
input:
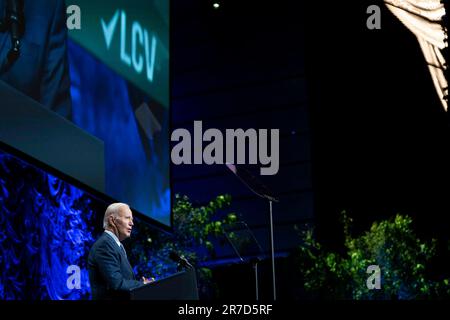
(123, 249)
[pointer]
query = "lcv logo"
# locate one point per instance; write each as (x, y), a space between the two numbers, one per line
(137, 48)
(236, 146)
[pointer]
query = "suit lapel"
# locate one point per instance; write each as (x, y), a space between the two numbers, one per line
(127, 262)
(122, 254)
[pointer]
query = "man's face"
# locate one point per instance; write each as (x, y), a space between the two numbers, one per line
(124, 223)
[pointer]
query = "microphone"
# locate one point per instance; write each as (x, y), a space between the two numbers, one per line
(182, 261)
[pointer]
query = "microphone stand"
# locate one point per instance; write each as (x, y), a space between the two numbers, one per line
(262, 191)
(272, 252)
(255, 262)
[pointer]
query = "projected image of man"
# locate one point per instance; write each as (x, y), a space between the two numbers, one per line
(33, 51)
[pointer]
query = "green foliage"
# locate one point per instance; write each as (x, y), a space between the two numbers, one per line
(194, 228)
(390, 244)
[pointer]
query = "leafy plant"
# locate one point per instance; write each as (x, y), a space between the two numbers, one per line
(194, 228)
(390, 244)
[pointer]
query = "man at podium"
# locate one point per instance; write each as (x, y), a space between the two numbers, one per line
(110, 273)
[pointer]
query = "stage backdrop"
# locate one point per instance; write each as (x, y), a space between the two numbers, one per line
(46, 230)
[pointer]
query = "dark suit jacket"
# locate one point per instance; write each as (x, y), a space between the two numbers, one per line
(41, 71)
(110, 273)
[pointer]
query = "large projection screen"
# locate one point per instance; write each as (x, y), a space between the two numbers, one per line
(119, 68)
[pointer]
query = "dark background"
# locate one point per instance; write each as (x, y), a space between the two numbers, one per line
(380, 134)
(361, 125)
(242, 66)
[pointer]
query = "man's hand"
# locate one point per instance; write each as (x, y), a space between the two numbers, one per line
(148, 280)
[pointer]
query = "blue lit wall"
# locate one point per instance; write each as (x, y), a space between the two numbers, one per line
(46, 226)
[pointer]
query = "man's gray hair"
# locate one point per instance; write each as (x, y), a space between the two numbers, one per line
(112, 210)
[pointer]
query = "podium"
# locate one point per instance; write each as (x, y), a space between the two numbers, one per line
(179, 286)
